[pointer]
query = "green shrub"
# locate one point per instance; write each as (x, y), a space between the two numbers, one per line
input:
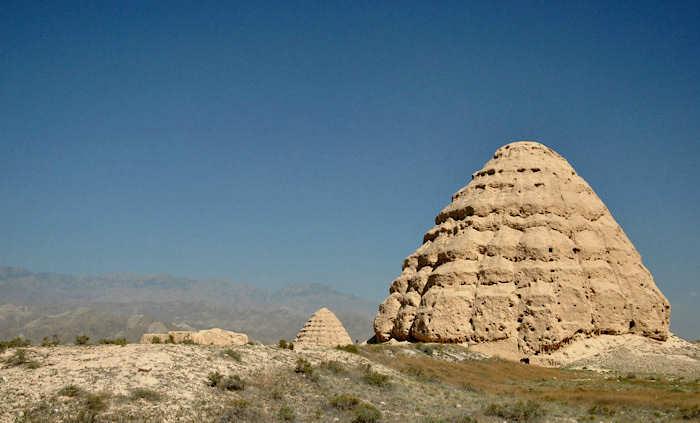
(375, 378)
(17, 342)
(351, 348)
(304, 367)
(517, 412)
(286, 414)
(240, 411)
(425, 349)
(19, 358)
(50, 342)
(116, 341)
(144, 394)
(82, 340)
(344, 402)
(225, 383)
(171, 339)
(235, 355)
(285, 345)
(72, 391)
(690, 413)
(602, 410)
(214, 378)
(156, 340)
(419, 374)
(95, 403)
(333, 366)
(231, 383)
(366, 413)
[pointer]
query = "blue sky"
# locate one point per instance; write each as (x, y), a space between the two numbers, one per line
(288, 142)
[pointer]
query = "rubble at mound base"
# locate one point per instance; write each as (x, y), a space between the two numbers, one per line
(214, 336)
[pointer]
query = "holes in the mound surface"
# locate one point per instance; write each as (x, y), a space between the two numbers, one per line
(551, 250)
(535, 169)
(480, 186)
(576, 250)
(539, 184)
(632, 324)
(491, 171)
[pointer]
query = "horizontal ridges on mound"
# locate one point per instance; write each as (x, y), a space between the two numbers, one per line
(323, 329)
(528, 252)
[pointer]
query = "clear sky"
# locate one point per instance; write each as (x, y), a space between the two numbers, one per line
(316, 141)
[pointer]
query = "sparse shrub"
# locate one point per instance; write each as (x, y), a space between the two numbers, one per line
(235, 355)
(231, 383)
(156, 340)
(366, 413)
(144, 394)
(214, 378)
(116, 341)
(419, 374)
(286, 414)
(304, 367)
(517, 412)
(376, 379)
(72, 391)
(690, 413)
(344, 402)
(333, 366)
(470, 388)
(240, 411)
(285, 345)
(456, 419)
(20, 358)
(82, 340)
(225, 383)
(95, 402)
(425, 349)
(17, 342)
(50, 342)
(351, 348)
(171, 339)
(601, 410)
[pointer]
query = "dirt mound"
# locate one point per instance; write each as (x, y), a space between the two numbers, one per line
(525, 257)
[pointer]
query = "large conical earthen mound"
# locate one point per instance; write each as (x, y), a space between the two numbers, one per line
(525, 254)
(323, 329)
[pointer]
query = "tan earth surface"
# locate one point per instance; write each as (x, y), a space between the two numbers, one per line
(636, 379)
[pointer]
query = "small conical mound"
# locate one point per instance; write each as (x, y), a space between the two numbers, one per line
(323, 329)
(525, 254)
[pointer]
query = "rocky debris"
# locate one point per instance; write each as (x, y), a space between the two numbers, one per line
(323, 329)
(525, 257)
(215, 336)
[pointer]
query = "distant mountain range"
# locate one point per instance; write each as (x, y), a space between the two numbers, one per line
(36, 305)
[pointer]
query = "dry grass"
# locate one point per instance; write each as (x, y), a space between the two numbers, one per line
(579, 388)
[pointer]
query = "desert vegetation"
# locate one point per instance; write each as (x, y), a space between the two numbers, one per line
(423, 383)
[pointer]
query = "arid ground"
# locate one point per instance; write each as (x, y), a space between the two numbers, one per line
(391, 383)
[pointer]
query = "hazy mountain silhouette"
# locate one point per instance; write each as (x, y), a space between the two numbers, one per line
(36, 305)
